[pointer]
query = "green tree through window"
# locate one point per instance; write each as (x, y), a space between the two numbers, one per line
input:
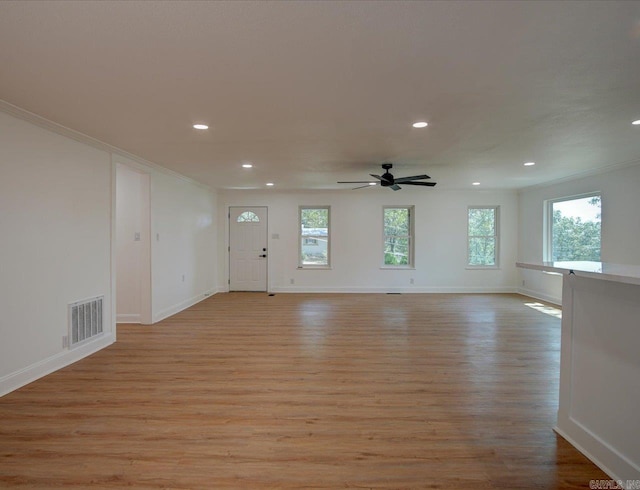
(398, 230)
(483, 236)
(576, 229)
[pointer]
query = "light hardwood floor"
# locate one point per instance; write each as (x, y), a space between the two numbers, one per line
(304, 391)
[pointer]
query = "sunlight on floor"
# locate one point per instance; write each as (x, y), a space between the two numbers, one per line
(546, 309)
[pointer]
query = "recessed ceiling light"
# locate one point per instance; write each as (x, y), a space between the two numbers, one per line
(372, 183)
(200, 126)
(475, 183)
(420, 124)
(247, 165)
(529, 164)
(270, 184)
(636, 123)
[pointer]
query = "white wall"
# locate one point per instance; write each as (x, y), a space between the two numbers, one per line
(620, 224)
(55, 246)
(356, 240)
(184, 244)
(58, 245)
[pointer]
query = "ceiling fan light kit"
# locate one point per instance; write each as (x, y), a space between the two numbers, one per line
(388, 180)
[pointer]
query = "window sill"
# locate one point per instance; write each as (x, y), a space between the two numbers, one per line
(314, 268)
(397, 268)
(482, 268)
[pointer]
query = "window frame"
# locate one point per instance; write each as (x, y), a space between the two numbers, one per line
(547, 243)
(495, 236)
(411, 238)
(301, 265)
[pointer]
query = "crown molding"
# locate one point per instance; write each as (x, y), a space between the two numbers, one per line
(581, 175)
(114, 151)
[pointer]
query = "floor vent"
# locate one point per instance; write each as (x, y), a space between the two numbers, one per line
(85, 320)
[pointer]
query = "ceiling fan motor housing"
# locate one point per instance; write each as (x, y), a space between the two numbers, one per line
(387, 178)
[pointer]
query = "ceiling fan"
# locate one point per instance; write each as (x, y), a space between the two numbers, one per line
(387, 180)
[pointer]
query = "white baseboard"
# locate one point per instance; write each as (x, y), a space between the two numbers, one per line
(632, 471)
(434, 290)
(24, 376)
(541, 296)
(183, 305)
(128, 318)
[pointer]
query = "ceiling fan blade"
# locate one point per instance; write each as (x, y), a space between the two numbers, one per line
(428, 184)
(356, 182)
(415, 177)
(395, 187)
(361, 186)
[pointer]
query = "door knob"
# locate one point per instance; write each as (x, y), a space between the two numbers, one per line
(263, 255)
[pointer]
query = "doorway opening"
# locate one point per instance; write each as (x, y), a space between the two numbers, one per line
(133, 246)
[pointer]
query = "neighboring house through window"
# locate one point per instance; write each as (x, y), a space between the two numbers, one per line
(314, 237)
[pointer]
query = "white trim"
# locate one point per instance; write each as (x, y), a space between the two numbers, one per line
(128, 318)
(427, 290)
(112, 256)
(541, 296)
(183, 305)
(24, 376)
(586, 453)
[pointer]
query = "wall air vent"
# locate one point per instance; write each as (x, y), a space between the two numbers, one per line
(85, 320)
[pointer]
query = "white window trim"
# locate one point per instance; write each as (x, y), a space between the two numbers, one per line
(314, 266)
(412, 220)
(496, 229)
(547, 242)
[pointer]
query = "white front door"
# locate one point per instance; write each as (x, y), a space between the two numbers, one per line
(247, 248)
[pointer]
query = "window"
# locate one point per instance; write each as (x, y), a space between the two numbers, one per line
(248, 217)
(398, 236)
(574, 228)
(314, 237)
(482, 233)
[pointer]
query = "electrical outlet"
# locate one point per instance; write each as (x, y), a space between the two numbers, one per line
(292, 281)
(523, 282)
(136, 236)
(65, 341)
(182, 277)
(411, 281)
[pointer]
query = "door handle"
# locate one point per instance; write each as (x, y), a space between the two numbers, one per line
(263, 255)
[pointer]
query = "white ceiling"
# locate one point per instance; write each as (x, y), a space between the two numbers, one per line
(315, 92)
